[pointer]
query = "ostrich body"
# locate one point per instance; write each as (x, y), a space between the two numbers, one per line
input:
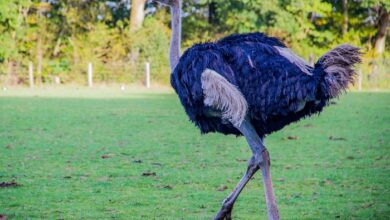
(252, 85)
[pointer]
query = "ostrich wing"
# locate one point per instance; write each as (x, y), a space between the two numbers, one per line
(223, 96)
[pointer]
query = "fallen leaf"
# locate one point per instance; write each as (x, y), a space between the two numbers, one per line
(222, 188)
(379, 158)
(292, 138)
(103, 179)
(13, 183)
(157, 164)
(326, 182)
(105, 156)
(149, 174)
(368, 205)
(168, 187)
(9, 146)
(336, 138)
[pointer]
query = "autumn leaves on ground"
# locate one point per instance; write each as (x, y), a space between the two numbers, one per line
(101, 154)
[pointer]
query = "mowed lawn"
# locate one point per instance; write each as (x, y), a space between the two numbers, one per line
(135, 155)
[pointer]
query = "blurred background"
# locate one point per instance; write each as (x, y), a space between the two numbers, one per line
(57, 41)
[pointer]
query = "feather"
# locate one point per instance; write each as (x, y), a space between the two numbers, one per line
(222, 95)
(255, 76)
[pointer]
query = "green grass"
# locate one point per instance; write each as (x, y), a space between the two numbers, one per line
(52, 144)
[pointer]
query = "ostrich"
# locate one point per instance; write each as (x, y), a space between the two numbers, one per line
(253, 85)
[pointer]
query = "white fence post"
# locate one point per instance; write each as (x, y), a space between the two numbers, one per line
(31, 74)
(57, 80)
(147, 75)
(90, 74)
(360, 79)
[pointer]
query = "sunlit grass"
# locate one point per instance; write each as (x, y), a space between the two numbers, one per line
(138, 157)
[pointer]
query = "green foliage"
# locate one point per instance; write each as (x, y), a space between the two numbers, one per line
(151, 42)
(376, 3)
(71, 33)
(10, 28)
(83, 158)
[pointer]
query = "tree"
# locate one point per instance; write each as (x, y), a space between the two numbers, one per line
(137, 14)
(381, 16)
(382, 27)
(345, 16)
(12, 23)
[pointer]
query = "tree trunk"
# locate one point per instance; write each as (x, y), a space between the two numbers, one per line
(39, 60)
(380, 39)
(345, 17)
(212, 12)
(137, 14)
(39, 49)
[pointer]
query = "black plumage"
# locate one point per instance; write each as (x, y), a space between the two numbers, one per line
(278, 92)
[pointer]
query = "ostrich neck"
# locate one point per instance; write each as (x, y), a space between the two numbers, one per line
(174, 52)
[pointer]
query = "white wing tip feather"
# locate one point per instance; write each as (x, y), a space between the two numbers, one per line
(222, 95)
(293, 58)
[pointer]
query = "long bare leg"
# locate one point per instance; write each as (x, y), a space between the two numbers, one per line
(259, 160)
(272, 208)
(225, 100)
(226, 211)
(258, 148)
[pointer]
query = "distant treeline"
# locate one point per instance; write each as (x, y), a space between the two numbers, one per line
(60, 37)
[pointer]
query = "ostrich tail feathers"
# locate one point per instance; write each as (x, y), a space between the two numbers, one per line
(337, 68)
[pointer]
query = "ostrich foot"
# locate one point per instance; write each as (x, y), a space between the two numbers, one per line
(225, 213)
(227, 206)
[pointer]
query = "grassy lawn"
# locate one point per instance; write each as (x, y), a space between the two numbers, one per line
(134, 155)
